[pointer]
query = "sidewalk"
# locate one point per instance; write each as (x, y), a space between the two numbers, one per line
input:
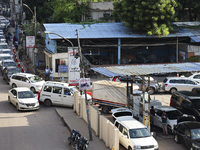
(74, 121)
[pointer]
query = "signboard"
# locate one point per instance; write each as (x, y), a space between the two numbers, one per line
(74, 67)
(84, 84)
(30, 41)
(62, 68)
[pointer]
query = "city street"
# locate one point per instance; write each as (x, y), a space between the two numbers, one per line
(32, 130)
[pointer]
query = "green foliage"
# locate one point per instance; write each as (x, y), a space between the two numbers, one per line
(193, 59)
(191, 7)
(153, 16)
(43, 10)
(68, 11)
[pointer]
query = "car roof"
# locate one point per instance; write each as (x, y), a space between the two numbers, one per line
(19, 89)
(56, 83)
(5, 49)
(165, 108)
(187, 93)
(1, 55)
(178, 78)
(9, 60)
(116, 110)
(130, 122)
(192, 124)
(25, 74)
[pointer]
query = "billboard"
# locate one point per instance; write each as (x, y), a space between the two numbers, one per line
(84, 84)
(73, 67)
(30, 41)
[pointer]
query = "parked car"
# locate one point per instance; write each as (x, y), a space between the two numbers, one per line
(23, 99)
(4, 46)
(4, 57)
(6, 51)
(7, 63)
(187, 102)
(173, 84)
(195, 77)
(76, 89)
(2, 39)
(31, 81)
(172, 113)
(154, 86)
(120, 112)
(188, 133)
(8, 72)
(133, 135)
(53, 93)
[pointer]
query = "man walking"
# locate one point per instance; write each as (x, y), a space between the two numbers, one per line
(152, 115)
(47, 71)
(164, 123)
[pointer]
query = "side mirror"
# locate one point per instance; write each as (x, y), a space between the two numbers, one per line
(153, 134)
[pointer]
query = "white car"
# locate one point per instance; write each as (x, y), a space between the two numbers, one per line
(33, 82)
(75, 89)
(23, 99)
(133, 135)
(172, 113)
(120, 112)
(195, 77)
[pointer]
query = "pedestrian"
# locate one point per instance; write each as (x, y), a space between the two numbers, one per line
(164, 123)
(20, 53)
(51, 74)
(152, 115)
(47, 71)
(27, 71)
(14, 39)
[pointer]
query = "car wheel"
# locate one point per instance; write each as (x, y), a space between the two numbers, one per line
(17, 107)
(172, 90)
(176, 138)
(151, 90)
(33, 89)
(9, 100)
(129, 148)
(14, 85)
(105, 109)
(47, 103)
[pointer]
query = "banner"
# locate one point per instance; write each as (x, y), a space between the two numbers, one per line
(84, 84)
(30, 41)
(73, 67)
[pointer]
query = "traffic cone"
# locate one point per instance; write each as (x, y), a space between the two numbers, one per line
(22, 69)
(16, 60)
(19, 65)
(177, 75)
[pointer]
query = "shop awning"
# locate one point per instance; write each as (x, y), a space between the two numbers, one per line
(129, 70)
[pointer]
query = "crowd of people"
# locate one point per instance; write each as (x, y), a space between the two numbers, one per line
(48, 74)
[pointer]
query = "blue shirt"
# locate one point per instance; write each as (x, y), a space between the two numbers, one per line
(164, 120)
(47, 70)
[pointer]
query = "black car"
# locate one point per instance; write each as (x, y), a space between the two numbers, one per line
(8, 72)
(187, 102)
(188, 133)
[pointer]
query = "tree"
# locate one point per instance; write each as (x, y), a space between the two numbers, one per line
(43, 9)
(68, 11)
(188, 6)
(152, 16)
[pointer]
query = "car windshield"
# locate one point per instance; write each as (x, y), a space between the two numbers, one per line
(3, 46)
(120, 114)
(174, 114)
(25, 94)
(195, 134)
(13, 71)
(5, 58)
(6, 52)
(5, 64)
(74, 89)
(35, 79)
(196, 103)
(139, 133)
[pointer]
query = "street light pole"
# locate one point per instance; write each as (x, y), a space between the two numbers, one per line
(35, 39)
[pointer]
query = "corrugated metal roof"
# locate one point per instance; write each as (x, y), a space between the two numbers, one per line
(146, 69)
(102, 30)
(195, 38)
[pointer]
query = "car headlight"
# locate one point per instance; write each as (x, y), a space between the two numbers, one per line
(22, 103)
(155, 146)
(137, 147)
(196, 146)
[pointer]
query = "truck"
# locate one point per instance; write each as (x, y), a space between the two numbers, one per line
(110, 94)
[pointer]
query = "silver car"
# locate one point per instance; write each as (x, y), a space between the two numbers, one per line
(173, 84)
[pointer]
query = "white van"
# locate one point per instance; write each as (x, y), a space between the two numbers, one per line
(56, 93)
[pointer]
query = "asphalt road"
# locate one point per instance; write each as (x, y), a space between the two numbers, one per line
(31, 130)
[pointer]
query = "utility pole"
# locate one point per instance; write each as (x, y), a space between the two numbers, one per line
(83, 75)
(21, 12)
(34, 52)
(149, 125)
